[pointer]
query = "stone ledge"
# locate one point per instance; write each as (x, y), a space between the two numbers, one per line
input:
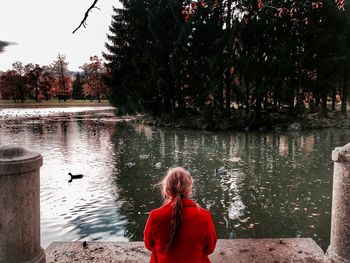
(240, 250)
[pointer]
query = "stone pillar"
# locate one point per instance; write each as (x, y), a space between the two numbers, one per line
(339, 248)
(20, 206)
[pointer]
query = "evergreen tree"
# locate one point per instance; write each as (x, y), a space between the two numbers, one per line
(199, 57)
(77, 88)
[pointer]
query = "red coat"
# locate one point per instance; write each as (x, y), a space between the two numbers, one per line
(195, 240)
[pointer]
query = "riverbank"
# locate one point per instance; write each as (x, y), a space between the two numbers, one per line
(240, 250)
(4, 104)
(275, 122)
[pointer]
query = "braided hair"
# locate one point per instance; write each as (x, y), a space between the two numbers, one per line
(176, 185)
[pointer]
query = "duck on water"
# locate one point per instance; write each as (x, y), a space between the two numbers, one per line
(74, 176)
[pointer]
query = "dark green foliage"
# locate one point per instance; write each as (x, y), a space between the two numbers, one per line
(78, 88)
(291, 55)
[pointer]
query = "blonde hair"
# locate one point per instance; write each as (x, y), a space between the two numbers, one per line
(176, 184)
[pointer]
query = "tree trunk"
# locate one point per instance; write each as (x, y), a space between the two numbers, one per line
(247, 102)
(228, 78)
(276, 97)
(291, 100)
(179, 95)
(317, 99)
(36, 93)
(258, 100)
(334, 97)
(266, 101)
(344, 98)
(324, 103)
(258, 107)
(228, 91)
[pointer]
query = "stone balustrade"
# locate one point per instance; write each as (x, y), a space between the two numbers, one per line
(20, 224)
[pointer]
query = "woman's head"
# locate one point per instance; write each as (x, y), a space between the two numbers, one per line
(177, 182)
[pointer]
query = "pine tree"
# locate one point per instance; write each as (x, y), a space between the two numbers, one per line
(78, 88)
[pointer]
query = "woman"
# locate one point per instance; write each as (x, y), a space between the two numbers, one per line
(180, 231)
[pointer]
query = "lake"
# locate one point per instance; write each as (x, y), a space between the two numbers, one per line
(256, 184)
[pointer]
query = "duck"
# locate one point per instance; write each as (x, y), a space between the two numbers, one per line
(74, 176)
(130, 164)
(157, 165)
(235, 159)
(220, 171)
(145, 156)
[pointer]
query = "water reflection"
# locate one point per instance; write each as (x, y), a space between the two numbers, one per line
(272, 184)
(272, 191)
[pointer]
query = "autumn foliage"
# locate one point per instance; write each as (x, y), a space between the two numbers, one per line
(93, 80)
(55, 81)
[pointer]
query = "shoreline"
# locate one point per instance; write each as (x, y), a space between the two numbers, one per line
(269, 122)
(52, 104)
(273, 122)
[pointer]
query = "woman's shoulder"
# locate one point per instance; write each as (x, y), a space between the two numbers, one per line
(160, 210)
(200, 209)
(205, 211)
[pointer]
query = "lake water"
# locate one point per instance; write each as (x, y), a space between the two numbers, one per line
(256, 184)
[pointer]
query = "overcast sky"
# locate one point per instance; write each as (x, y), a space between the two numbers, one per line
(43, 28)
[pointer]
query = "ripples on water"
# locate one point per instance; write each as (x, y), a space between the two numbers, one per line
(271, 184)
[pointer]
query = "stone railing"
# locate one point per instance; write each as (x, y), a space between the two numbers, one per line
(20, 207)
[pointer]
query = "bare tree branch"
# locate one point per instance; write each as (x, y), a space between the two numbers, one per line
(83, 22)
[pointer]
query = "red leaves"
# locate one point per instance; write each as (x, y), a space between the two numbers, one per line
(93, 78)
(316, 5)
(260, 4)
(340, 4)
(192, 8)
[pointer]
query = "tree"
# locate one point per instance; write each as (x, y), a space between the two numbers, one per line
(63, 81)
(20, 84)
(121, 53)
(8, 85)
(46, 82)
(78, 88)
(32, 75)
(93, 84)
(203, 57)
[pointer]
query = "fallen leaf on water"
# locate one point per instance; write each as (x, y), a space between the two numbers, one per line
(312, 226)
(245, 220)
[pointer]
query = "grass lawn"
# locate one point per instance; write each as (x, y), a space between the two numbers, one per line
(52, 103)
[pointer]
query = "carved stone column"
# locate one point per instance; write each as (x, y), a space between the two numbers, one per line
(20, 206)
(339, 248)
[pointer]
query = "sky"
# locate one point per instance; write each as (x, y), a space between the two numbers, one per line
(42, 29)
